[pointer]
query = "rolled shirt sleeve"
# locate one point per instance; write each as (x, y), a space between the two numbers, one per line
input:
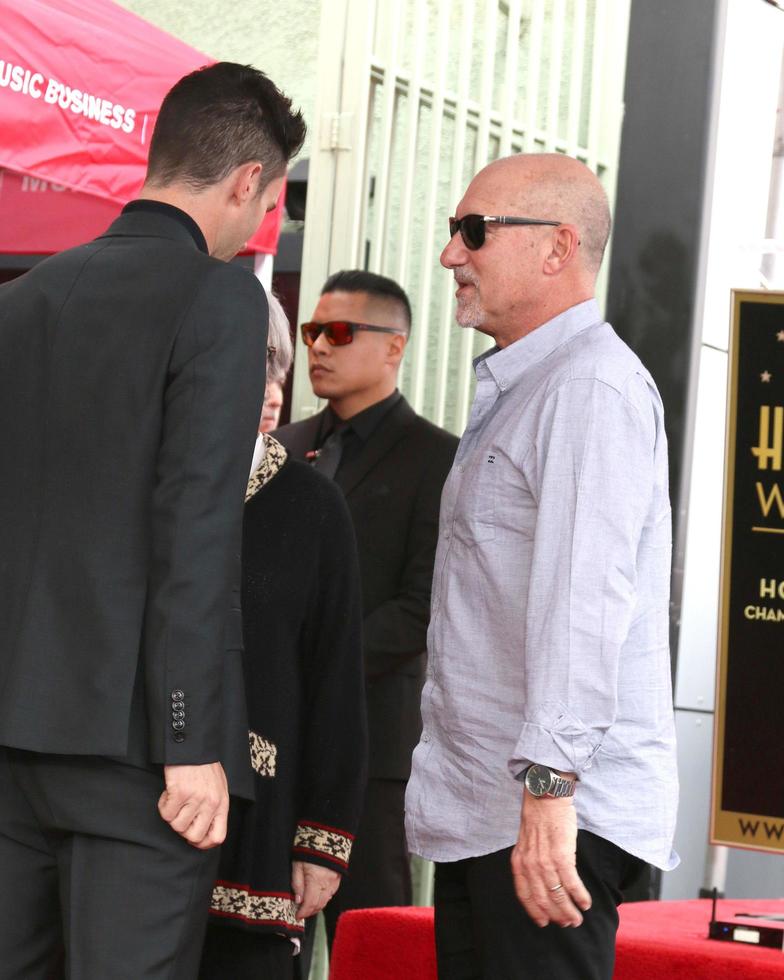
(591, 473)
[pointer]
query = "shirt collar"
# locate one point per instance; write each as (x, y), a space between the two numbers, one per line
(160, 207)
(364, 423)
(505, 365)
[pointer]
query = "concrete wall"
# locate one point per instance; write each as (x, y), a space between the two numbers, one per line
(280, 38)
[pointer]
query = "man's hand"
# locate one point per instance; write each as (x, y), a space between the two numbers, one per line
(544, 863)
(313, 887)
(195, 803)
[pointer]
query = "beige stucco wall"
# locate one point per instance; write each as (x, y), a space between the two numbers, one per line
(280, 37)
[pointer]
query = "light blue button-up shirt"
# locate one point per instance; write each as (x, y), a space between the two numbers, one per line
(549, 632)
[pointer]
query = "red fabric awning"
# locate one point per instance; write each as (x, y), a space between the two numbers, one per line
(80, 86)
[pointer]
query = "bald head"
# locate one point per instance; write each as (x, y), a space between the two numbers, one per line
(517, 275)
(550, 185)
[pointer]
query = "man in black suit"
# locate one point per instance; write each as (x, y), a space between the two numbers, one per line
(391, 464)
(129, 393)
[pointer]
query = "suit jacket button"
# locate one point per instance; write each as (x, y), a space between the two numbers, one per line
(178, 725)
(177, 694)
(178, 714)
(178, 705)
(179, 737)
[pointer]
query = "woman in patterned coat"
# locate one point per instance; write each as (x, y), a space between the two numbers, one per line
(284, 856)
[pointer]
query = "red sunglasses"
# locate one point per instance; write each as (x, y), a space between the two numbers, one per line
(339, 332)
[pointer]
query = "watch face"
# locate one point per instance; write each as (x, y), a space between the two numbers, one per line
(538, 780)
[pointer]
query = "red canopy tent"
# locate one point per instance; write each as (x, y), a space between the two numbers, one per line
(80, 86)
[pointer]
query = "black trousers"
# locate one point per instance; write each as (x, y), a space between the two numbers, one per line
(379, 872)
(93, 883)
(239, 954)
(484, 933)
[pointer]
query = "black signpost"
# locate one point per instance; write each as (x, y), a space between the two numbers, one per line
(748, 772)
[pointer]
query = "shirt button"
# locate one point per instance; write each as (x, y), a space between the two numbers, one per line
(177, 694)
(447, 534)
(425, 737)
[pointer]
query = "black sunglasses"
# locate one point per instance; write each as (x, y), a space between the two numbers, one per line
(472, 226)
(339, 332)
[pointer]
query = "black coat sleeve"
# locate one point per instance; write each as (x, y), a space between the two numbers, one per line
(334, 760)
(396, 631)
(211, 411)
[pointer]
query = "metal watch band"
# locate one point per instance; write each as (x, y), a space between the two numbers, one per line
(560, 786)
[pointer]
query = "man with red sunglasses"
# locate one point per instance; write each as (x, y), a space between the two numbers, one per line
(391, 464)
(545, 777)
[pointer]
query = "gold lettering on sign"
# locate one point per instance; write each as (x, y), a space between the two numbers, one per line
(764, 613)
(764, 452)
(774, 497)
(770, 588)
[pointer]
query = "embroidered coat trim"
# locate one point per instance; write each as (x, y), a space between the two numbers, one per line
(263, 755)
(271, 462)
(236, 901)
(318, 840)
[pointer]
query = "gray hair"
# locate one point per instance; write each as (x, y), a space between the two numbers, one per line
(279, 338)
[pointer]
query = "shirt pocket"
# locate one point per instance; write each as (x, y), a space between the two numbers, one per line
(475, 516)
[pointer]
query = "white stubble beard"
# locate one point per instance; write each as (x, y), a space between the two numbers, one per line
(469, 313)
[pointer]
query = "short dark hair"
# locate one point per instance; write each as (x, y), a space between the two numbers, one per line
(360, 281)
(218, 118)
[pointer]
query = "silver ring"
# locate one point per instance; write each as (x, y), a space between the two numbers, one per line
(556, 887)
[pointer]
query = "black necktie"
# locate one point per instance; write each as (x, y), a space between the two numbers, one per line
(328, 459)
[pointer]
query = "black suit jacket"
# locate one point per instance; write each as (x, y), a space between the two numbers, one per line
(393, 490)
(131, 373)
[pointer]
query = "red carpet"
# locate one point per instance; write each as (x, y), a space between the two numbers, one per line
(656, 941)
(384, 944)
(667, 940)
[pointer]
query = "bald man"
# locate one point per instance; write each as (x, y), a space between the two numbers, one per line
(545, 777)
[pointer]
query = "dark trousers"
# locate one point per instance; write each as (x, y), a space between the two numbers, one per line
(238, 954)
(93, 883)
(379, 871)
(484, 933)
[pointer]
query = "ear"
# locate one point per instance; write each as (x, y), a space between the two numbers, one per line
(244, 181)
(396, 348)
(565, 243)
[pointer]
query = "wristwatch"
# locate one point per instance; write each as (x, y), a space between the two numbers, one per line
(542, 781)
